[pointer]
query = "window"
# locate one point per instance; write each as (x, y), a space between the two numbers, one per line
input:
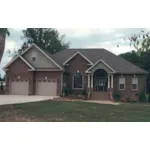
(33, 56)
(134, 83)
(77, 81)
(121, 83)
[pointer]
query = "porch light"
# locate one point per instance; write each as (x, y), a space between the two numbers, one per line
(18, 77)
(78, 71)
(45, 78)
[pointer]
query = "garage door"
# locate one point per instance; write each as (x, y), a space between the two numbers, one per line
(46, 87)
(19, 87)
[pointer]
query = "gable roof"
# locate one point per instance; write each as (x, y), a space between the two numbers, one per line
(42, 51)
(77, 53)
(14, 59)
(117, 63)
(98, 63)
(46, 54)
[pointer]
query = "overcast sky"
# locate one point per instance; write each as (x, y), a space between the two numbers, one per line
(81, 38)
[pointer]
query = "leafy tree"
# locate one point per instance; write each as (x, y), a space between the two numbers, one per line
(3, 33)
(140, 41)
(141, 55)
(142, 60)
(46, 38)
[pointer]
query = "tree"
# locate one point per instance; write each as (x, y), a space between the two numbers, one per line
(140, 41)
(3, 33)
(142, 60)
(46, 38)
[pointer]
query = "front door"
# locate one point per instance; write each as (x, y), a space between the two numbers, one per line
(100, 85)
(100, 80)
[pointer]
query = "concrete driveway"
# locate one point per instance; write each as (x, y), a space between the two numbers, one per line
(16, 99)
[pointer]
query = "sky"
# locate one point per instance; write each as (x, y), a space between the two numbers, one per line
(107, 38)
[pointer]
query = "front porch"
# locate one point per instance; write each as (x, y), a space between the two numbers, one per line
(100, 85)
(100, 81)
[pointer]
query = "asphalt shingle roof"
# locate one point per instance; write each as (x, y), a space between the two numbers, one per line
(119, 64)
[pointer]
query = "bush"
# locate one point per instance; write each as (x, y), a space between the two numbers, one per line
(117, 95)
(84, 92)
(67, 91)
(143, 97)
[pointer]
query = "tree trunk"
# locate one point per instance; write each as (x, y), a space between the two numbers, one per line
(2, 45)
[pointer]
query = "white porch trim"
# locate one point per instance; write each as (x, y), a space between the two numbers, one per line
(108, 81)
(113, 71)
(92, 81)
(112, 81)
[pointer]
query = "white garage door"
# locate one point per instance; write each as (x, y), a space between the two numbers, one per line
(46, 87)
(19, 87)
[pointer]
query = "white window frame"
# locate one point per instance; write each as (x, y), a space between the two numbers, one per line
(136, 84)
(73, 82)
(121, 83)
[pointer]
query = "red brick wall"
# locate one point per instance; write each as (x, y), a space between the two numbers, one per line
(75, 64)
(128, 92)
(18, 68)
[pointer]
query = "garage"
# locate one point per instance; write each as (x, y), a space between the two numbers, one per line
(19, 87)
(46, 87)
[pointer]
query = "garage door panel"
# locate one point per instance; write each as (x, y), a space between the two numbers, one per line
(47, 88)
(19, 87)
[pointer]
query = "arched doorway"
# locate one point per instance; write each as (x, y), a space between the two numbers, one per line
(100, 80)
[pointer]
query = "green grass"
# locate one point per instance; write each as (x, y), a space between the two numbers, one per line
(76, 112)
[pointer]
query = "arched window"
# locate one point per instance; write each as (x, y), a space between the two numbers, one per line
(77, 81)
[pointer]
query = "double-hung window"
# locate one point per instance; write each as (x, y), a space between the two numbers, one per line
(122, 83)
(134, 83)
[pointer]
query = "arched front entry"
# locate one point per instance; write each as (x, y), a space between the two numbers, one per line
(100, 80)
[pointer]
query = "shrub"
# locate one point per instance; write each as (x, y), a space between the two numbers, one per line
(117, 95)
(142, 97)
(67, 91)
(84, 92)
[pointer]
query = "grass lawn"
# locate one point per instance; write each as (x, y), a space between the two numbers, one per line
(75, 112)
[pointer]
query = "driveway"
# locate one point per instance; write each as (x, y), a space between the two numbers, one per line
(16, 99)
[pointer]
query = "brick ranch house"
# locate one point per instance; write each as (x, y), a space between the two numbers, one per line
(98, 71)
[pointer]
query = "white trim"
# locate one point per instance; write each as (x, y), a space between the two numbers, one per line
(75, 55)
(113, 71)
(45, 70)
(112, 81)
(73, 82)
(27, 63)
(92, 81)
(43, 54)
(39, 50)
(4, 68)
(136, 84)
(108, 86)
(124, 84)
